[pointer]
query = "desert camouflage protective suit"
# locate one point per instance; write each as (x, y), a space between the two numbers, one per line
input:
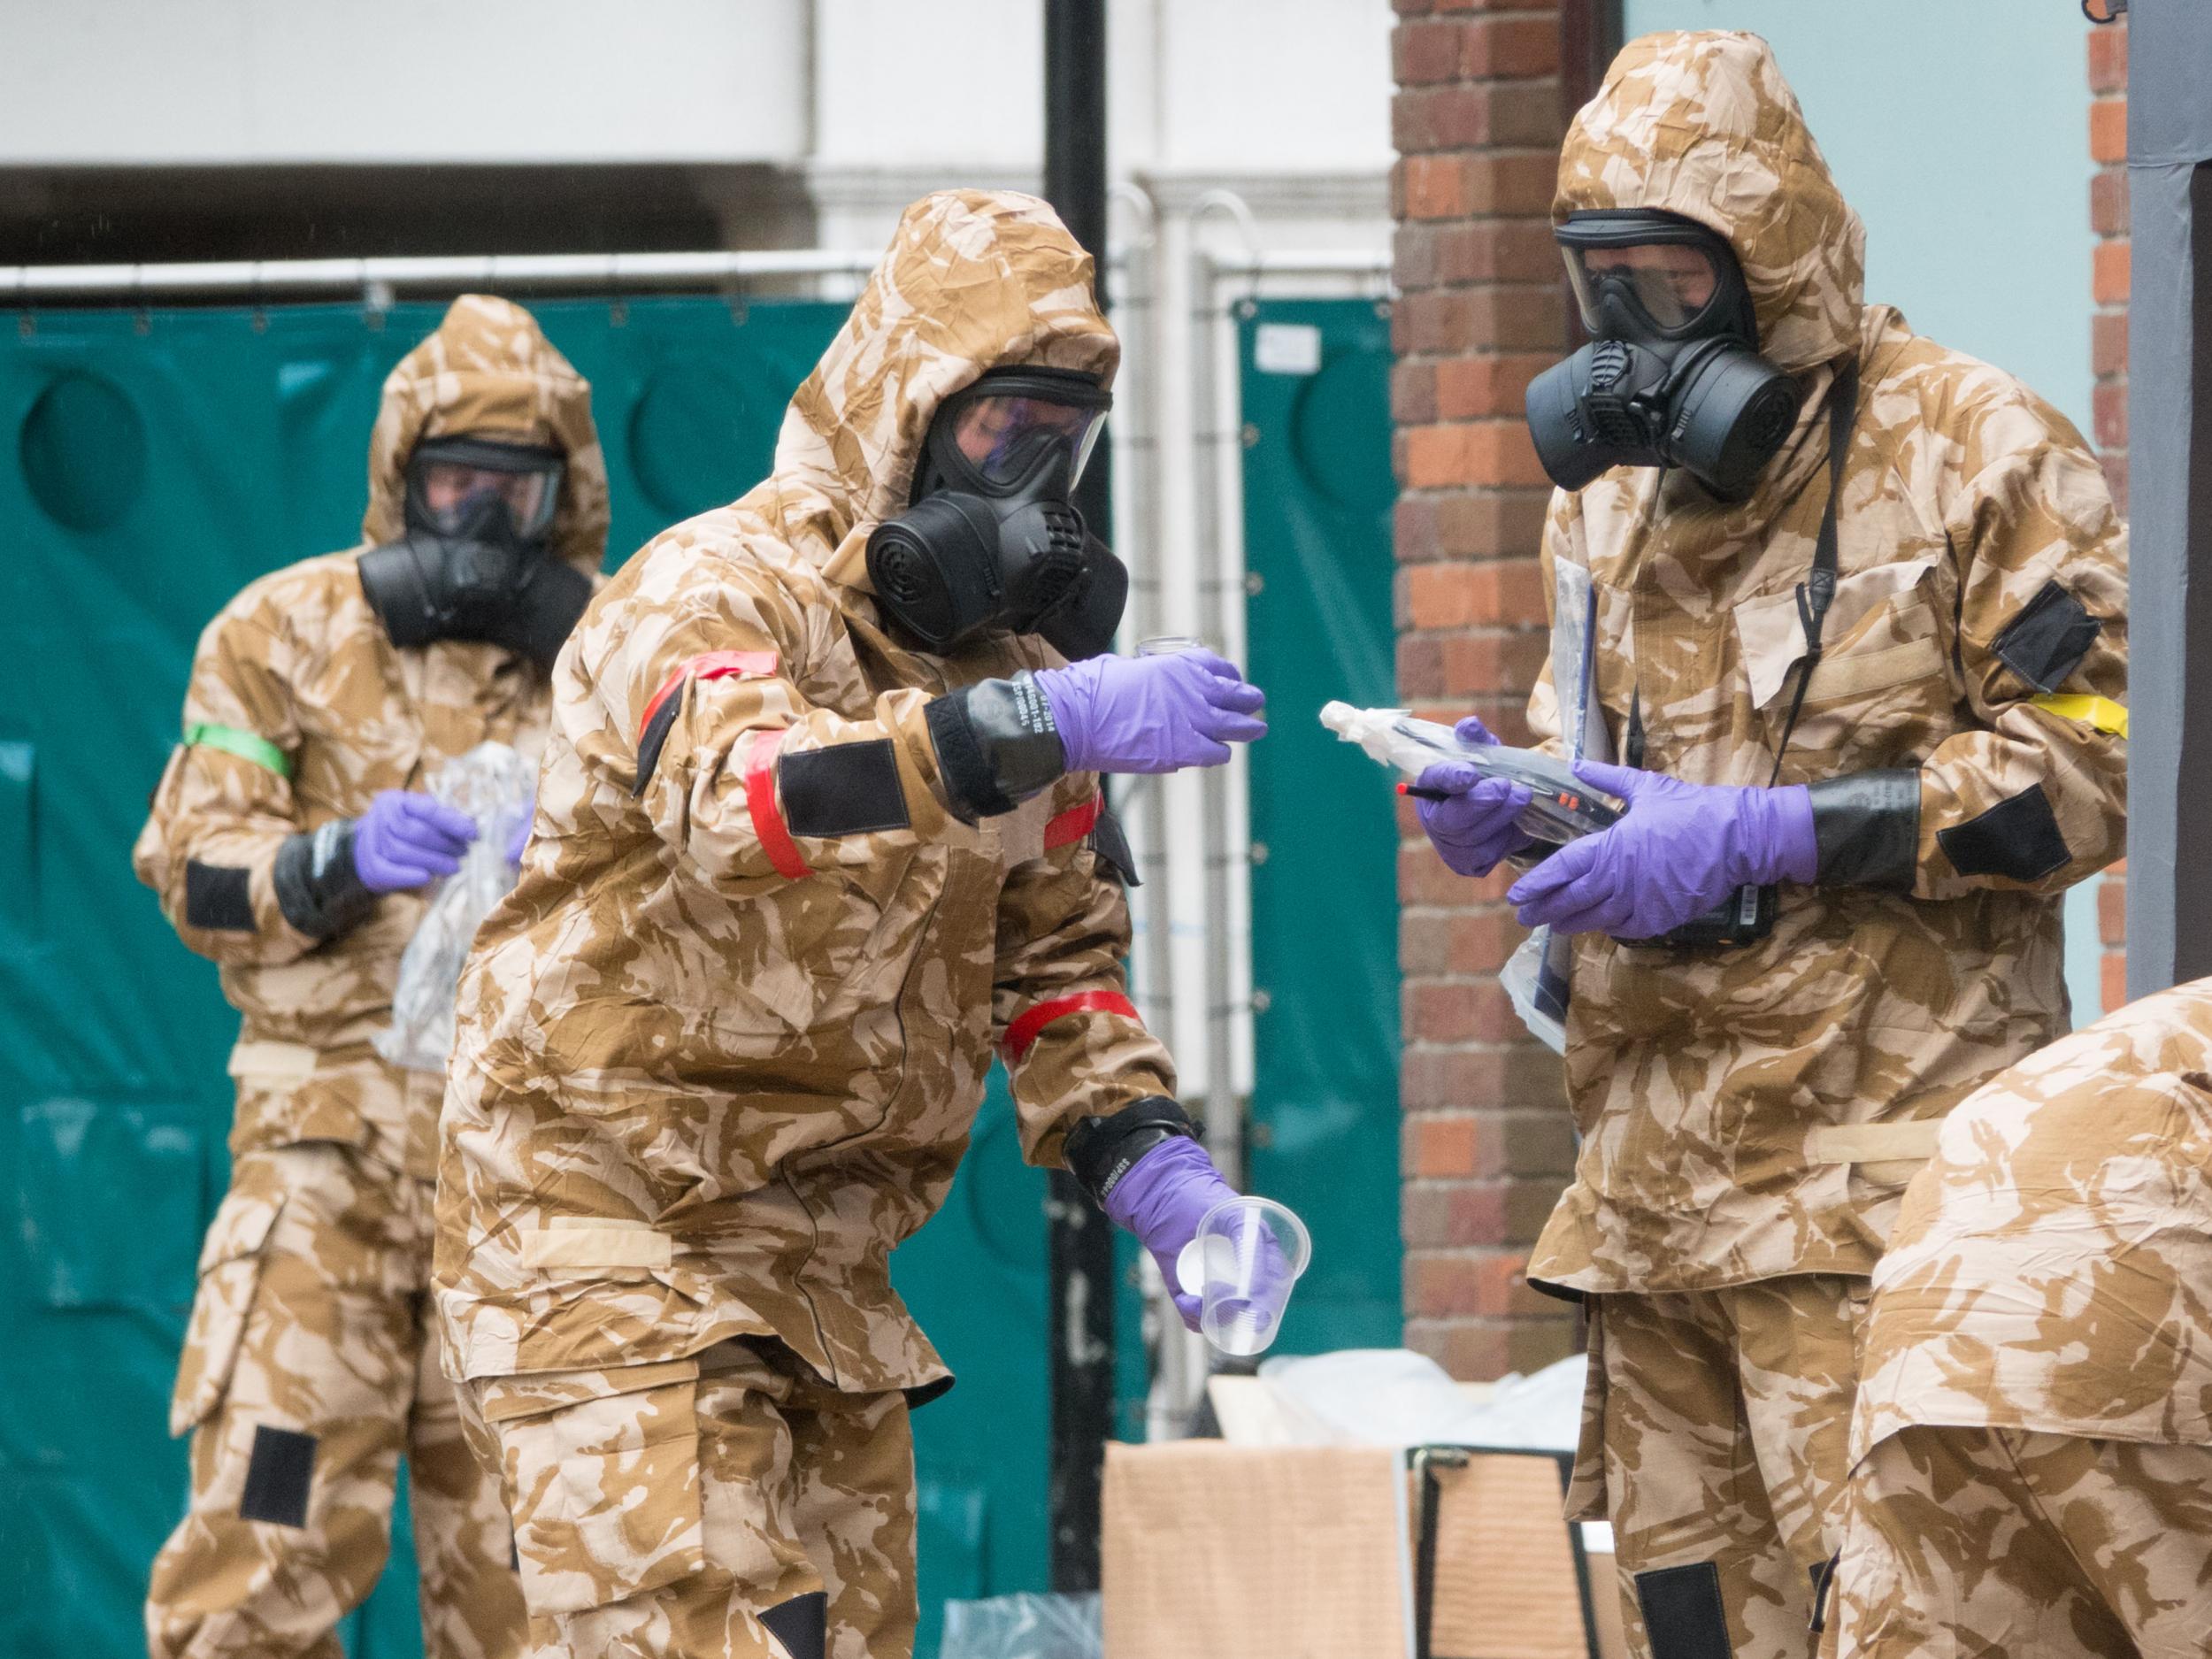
(721, 1050)
(1749, 1116)
(2032, 1441)
(309, 1366)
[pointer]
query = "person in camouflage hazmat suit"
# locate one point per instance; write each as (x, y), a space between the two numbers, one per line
(794, 879)
(1749, 1113)
(2032, 1438)
(289, 840)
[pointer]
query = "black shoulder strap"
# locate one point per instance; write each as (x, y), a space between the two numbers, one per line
(1817, 591)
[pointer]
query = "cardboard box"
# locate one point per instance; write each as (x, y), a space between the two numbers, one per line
(1214, 1551)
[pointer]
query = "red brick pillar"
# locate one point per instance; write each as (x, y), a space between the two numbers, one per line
(2108, 346)
(1477, 119)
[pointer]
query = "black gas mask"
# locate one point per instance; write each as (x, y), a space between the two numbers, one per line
(474, 563)
(1672, 375)
(992, 538)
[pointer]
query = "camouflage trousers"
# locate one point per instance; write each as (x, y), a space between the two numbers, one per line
(308, 1368)
(1715, 1439)
(1989, 1542)
(728, 1507)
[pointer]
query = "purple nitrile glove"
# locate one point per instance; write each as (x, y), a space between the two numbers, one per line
(1474, 831)
(1161, 1199)
(518, 837)
(1680, 851)
(1151, 713)
(408, 840)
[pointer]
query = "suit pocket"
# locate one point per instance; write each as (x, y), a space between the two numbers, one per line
(229, 1274)
(1881, 694)
(601, 1474)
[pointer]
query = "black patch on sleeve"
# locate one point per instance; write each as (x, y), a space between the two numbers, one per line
(2046, 642)
(842, 789)
(1867, 826)
(278, 1476)
(802, 1625)
(1683, 1614)
(2017, 838)
(1112, 845)
(648, 746)
(219, 897)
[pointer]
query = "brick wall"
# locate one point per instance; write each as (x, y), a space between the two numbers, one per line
(1477, 116)
(2108, 346)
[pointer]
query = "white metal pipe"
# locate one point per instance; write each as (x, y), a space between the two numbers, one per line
(1324, 262)
(616, 271)
(1213, 435)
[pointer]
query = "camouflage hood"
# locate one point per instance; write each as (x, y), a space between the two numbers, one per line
(973, 280)
(490, 370)
(1703, 124)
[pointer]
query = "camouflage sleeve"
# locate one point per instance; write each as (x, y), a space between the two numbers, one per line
(2035, 796)
(225, 806)
(729, 759)
(1060, 1010)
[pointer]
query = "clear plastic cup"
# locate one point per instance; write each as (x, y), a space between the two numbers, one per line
(1169, 645)
(1248, 1253)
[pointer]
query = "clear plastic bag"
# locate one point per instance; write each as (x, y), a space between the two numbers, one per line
(1023, 1627)
(1539, 975)
(495, 785)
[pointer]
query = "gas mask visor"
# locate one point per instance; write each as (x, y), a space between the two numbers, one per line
(462, 487)
(998, 434)
(1648, 276)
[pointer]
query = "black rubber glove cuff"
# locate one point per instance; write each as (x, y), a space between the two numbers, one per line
(996, 745)
(1102, 1150)
(1867, 826)
(317, 886)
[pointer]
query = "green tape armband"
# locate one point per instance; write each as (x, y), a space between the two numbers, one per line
(245, 745)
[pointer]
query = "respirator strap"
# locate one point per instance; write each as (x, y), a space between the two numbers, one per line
(1817, 591)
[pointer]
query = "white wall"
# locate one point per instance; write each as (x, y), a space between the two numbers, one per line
(168, 82)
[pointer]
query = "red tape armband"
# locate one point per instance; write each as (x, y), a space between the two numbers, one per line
(712, 665)
(1022, 1035)
(760, 800)
(1074, 823)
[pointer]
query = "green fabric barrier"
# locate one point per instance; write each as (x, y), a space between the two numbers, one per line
(156, 464)
(1318, 498)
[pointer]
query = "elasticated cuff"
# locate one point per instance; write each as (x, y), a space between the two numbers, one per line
(317, 886)
(1867, 826)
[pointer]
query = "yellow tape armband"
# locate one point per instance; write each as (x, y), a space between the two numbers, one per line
(245, 745)
(2101, 712)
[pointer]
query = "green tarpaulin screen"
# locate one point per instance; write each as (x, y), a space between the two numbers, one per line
(1317, 496)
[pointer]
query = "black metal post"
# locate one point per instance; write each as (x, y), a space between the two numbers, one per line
(1082, 1242)
(2170, 491)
